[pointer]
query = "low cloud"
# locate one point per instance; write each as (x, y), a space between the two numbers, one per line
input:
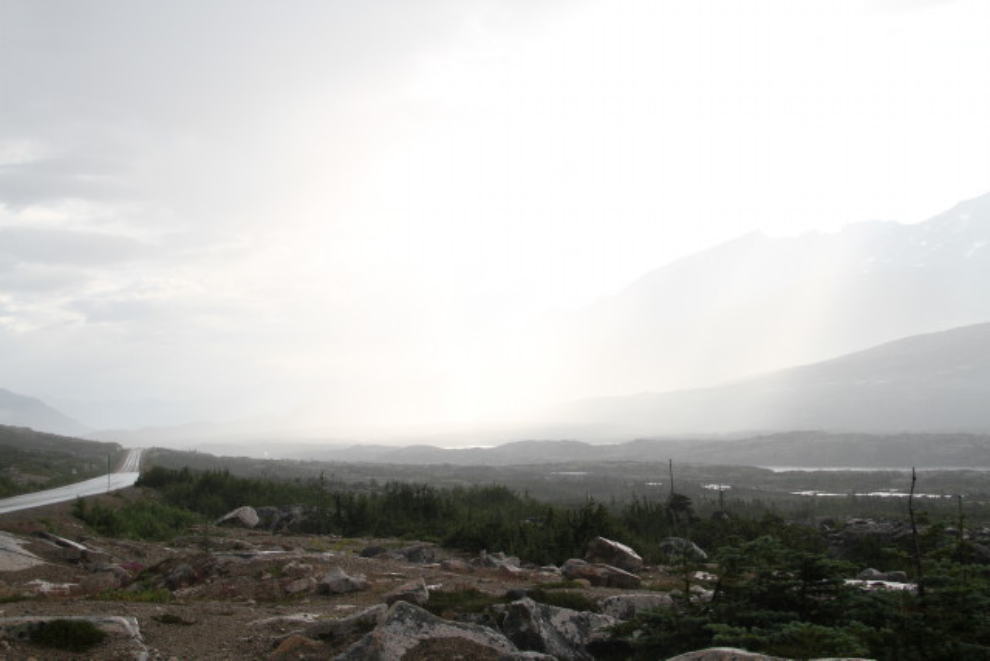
(26, 245)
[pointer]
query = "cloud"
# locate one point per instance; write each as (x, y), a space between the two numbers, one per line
(39, 279)
(45, 181)
(26, 245)
(337, 195)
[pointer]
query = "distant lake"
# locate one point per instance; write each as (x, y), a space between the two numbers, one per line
(867, 469)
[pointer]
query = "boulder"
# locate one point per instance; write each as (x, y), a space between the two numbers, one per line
(267, 517)
(242, 517)
(613, 553)
(724, 654)
(300, 585)
(410, 630)
(627, 606)
(678, 547)
(282, 519)
(559, 632)
(292, 518)
(420, 553)
(414, 593)
(122, 574)
(600, 575)
(181, 576)
(373, 551)
(876, 575)
(345, 626)
(497, 560)
(336, 581)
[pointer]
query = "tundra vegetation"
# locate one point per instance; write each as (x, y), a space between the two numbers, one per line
(779, 573)
(33, 461)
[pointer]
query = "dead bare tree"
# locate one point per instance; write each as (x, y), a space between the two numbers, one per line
(919, 576)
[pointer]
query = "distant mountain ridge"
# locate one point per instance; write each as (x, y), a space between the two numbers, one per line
(22, 411)
(756, 304)
(936, 382)
(808, 449)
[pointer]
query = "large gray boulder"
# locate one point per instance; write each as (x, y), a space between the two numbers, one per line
(336, 581)
(410, 630)
(243, 517)
(613, 553)
(628, 606)
(600, 575)
(419, 553)
(288, 518)
(678, 547)
(496, 561)
(559, 632)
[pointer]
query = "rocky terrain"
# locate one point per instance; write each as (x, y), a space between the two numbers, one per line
(236, 591)
(231, 592)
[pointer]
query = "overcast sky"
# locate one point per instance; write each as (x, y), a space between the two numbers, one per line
(259, 205)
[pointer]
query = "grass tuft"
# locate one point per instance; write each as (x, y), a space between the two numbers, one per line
(469, 600)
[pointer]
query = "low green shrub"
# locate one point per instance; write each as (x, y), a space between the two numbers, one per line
(141, 519)
(470, 600)
(145, 596)
(70, 635)
(171, 618)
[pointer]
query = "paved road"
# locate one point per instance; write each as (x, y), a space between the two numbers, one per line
(125, 476)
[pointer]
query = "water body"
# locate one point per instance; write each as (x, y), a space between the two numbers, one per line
(867, 469)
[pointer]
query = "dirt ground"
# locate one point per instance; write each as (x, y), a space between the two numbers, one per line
(245, 594)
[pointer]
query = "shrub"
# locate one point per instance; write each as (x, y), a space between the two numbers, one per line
(70, 635)
(470, 600)
(143, 519)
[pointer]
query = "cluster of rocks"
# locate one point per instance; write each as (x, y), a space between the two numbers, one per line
(97, 570)
(274, 519)
(386, 589)
(522, 629)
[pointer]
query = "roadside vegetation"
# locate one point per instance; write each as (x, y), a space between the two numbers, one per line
(32, 461)
(139, 519)
(776, 586)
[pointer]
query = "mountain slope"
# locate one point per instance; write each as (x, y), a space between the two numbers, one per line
(757, 304)
(804, 449)
(21, 411)
(925, 383)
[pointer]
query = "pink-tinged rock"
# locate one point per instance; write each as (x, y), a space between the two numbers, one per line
(245, 517)
(613, 553)
(413, 593)
(300, 585)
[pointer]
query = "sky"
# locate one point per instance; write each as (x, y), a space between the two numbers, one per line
(212, 210)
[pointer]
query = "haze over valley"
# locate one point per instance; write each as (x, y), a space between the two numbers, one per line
(515, 221)
(742, 325)
(560, 329)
